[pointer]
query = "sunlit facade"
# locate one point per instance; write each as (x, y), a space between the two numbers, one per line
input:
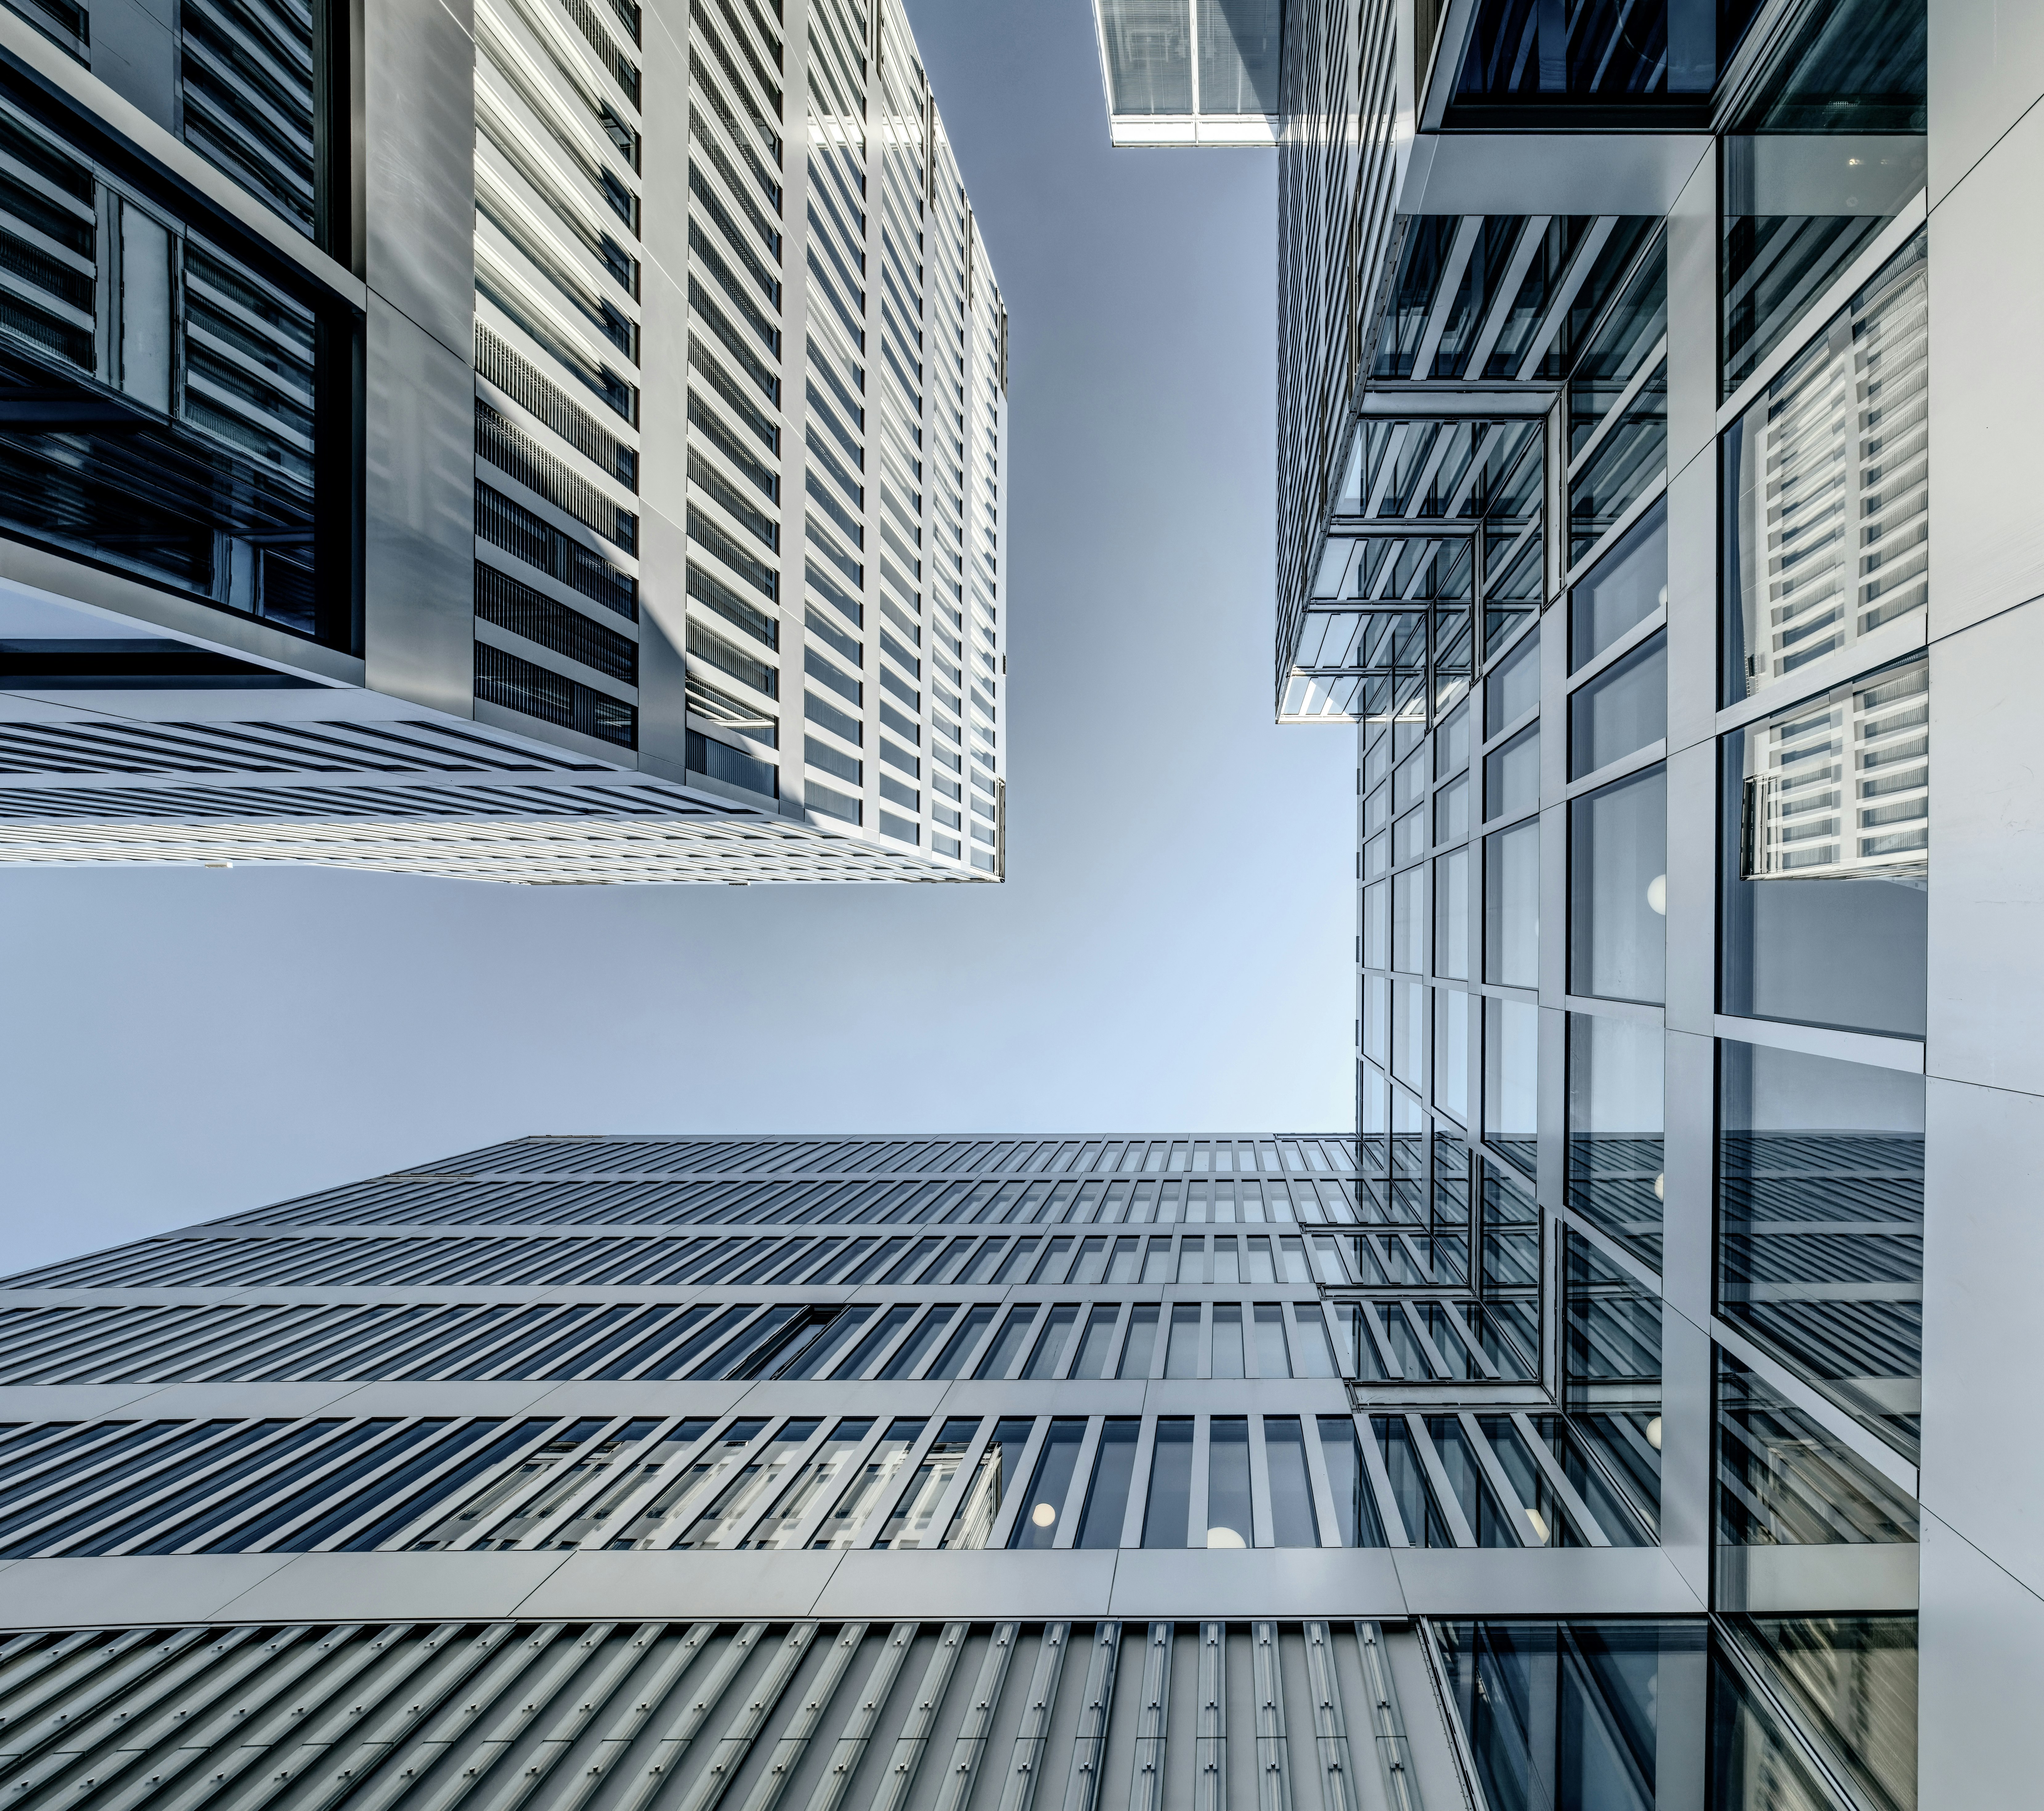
(562, 443)
(1615, 352)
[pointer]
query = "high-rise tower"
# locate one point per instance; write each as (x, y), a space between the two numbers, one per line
(1644, 502)
(543, 440)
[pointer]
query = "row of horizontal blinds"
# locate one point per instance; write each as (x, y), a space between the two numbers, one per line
(1294, 1156)
(559, 271)
(739, 541)
(841, 769)
(803, 1716)
(768, 1481)
(1840, 491)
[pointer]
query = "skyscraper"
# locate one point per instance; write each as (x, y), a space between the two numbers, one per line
(1100, 1471)
(539, 441)
(1643, 500)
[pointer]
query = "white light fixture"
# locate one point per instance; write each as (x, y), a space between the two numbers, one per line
(1656, 895)
(1225, 1537)
(1654, 1433)
(1042, 1515)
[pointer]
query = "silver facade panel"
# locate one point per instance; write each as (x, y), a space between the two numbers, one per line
(419, 514)
(419, 100)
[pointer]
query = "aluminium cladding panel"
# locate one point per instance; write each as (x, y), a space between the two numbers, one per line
(419, 508)
(662, 378)
(903, 1715)
(419, 516)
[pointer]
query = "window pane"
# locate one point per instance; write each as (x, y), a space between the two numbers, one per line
(1511, 1074)
(1227, 1339)
(1165, 1515)
(1513, 687)
(1512, 907)
(1409, 1032)
(1142, 1340)
(1479, 1503)
(1614, 1128)
(868, 1486)
(1049, 1355)
(1451, 1053)
(1044, 1506)
(1841, 436)
(1408, 920)
(1783, 1481)
(1183, 1358)
(1624, 588)
(1355, 1509)
(1826, 857)
(1511, 777)
(1820, 1207)
(1623, 710)
(1107, 1497)
(1230, 1516)
(1425, 1526)
(1452, 915)
(1839, 150)
(1377, 926)
(1617, 889)
(992, 1480)
(1271, 1359)
(909, 1526)
(1094, 1347)
(1311, 1354)
(1293, 1522)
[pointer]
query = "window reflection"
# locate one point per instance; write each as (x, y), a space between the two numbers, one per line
(1567, 1713)
(1512, 905)
(1820, 1205)
(1513, 687)
(1510, 1075)
(1623, 588)
(1826, 486)
(1617, 889)
(1782, 1481)
(1827, 857)
(1624, 709)
(1615, 1163)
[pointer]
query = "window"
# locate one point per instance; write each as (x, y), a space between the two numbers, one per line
(1622, 590)
(1230, 1514)
(1820, 1210)
(1615, 1174)
(1617, 889)
(1825, 856)
(1511, 777)
(1826, 483)
(1513, 687)
(1511, 1074)
(1107, 1497)
(1624, 709)
(1512, 905)
(1043, 1505)
(1166, 1516)
(1293, 1521)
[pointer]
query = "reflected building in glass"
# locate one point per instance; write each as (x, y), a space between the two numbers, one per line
(1615, 348)
(548, 440)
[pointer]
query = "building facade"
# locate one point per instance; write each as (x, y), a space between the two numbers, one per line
(540, 441)
(1644, 500)
(1158, 1471)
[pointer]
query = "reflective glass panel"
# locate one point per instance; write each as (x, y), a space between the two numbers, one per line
(1107, 1497)
(1624, 588)
(1826, 486)
(1511, 1077)
(1623, 710)
(1825, 858)
(1820, 1211)
(1043, 1507)
(1512, 905)
(1617, 889)
(1452, 915)
(1511, 777)
(1614, 1172)
(1513, 686)
(1165, 1515)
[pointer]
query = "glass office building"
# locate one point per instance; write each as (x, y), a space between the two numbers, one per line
(1647, 502)
(1136, 1471)
(544, 441)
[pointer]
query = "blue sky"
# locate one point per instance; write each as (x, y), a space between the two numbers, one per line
(1173, 948)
